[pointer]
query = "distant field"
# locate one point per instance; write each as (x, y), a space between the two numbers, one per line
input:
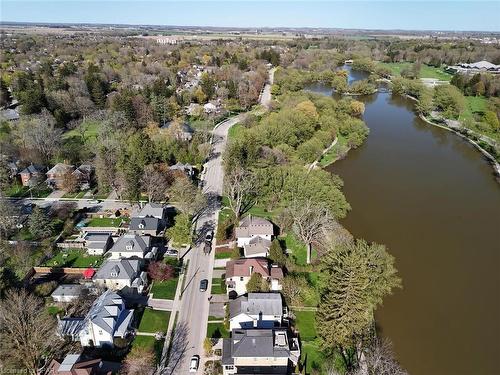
(426, 71)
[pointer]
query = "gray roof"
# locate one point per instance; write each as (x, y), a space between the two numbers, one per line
(69, 361)
(107, 312)
(152, 210)
(259, 343)
(145, 223)
(97, 240)
(254, 226)
(70, 326)
(71, 290)
(60, 168)
(122, 269)
(31, 169)
(256, 303)
(9, 114)
(131, 243)
(257, 245)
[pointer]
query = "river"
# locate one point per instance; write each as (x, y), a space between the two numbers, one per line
(433, 200)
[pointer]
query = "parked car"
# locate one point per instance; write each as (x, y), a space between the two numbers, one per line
(195, 362)
(203, 285)
(171, 253)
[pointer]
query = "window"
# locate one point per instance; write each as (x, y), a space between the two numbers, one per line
(241, 278)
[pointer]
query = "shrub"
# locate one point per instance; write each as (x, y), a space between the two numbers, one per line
(45, 289)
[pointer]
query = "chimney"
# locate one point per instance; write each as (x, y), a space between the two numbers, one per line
(251, 270)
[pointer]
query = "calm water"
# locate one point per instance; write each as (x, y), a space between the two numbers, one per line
(433, 200)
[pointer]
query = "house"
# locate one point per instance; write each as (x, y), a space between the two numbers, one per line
(106, 320)
(258, 310)
(193, 109)
(151, 226)
(259, 351)
(83, 175)
(55, 175)
(182, 132)
(210, 108)
(250, 227)
(75, 364)
(257, 247)
(239, 271)
(31, 175)
(186, 169)
(124, 275)
(67, 292)
(153, 210)
(133, 246)
(97, 243)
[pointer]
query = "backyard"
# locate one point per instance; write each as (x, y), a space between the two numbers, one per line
(149, 342)
(153, 321)
(305, 322)
(74, 258)
(105, 222)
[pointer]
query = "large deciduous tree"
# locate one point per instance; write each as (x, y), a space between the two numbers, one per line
(186, 196)
(239, 188)
(140, 361)
(311, 222)
(27, 330)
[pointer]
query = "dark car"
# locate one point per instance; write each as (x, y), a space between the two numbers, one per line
(203, 285)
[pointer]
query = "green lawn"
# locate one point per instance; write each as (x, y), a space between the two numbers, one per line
(217, 287)
(474, 104)
(74, 258)
(164, 289)
(426, 71)
(104, 222)
(16, 190)
(151, 343)
(305, 322)
(235, 131)
(311, 357)
(153, 321)
(212, 318)
(217, 330)
(297, 248)
(223, 255)
(332, 155)
(54, 310)
(91, 129)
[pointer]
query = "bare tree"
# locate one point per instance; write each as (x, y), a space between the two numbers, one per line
(239, 188)
(27, 330)
(186, 196)
(8, 218)
(154, 183)
(69, 182)
(311, 222)
(379, 359)
(140, 361)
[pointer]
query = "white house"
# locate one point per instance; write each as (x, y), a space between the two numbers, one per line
(251, 227)
(106, 320)
(258, 310)
(97, 243)
(257, 247)
(67, 292)
(239, 271)
(133, 246)
(121, 274)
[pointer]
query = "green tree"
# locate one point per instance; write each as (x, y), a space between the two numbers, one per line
(257, 284)
(207, 84)
(449, 100)
(39, 223)
(180, 233)
(491, 119)
(276, 253)
(354, 279)
(425, 104)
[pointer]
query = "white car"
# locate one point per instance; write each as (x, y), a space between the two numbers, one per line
(195, 362)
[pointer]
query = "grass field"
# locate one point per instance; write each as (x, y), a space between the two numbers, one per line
(153, 321)
(474, 104)
(305, 322)
(74, 258)
(223, 255)
(311, 357)
(91, 129)
(426, 71)
(151, 343)
(164, 289)
(217, 286)
(104, 222)
(217, 330)
(297, 248)
(235, 131)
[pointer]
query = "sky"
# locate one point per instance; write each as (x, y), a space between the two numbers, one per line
(396, 14)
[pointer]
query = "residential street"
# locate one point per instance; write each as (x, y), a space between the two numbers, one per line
(191, 326)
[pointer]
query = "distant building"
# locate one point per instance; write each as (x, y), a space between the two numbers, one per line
(186, 169)
(106, 320)
(75, 364)
(32, 173)
(259, 351)
(9, 114)
(55, 175)
(473, 68)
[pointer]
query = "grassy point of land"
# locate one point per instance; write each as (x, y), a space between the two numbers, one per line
(164, 289)
(153, 321)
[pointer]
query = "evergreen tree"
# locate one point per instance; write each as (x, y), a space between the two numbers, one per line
(180, 233)
(257, 284)
(276, 253)
(39, 224)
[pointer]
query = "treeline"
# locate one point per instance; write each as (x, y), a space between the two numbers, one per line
(480, 84)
